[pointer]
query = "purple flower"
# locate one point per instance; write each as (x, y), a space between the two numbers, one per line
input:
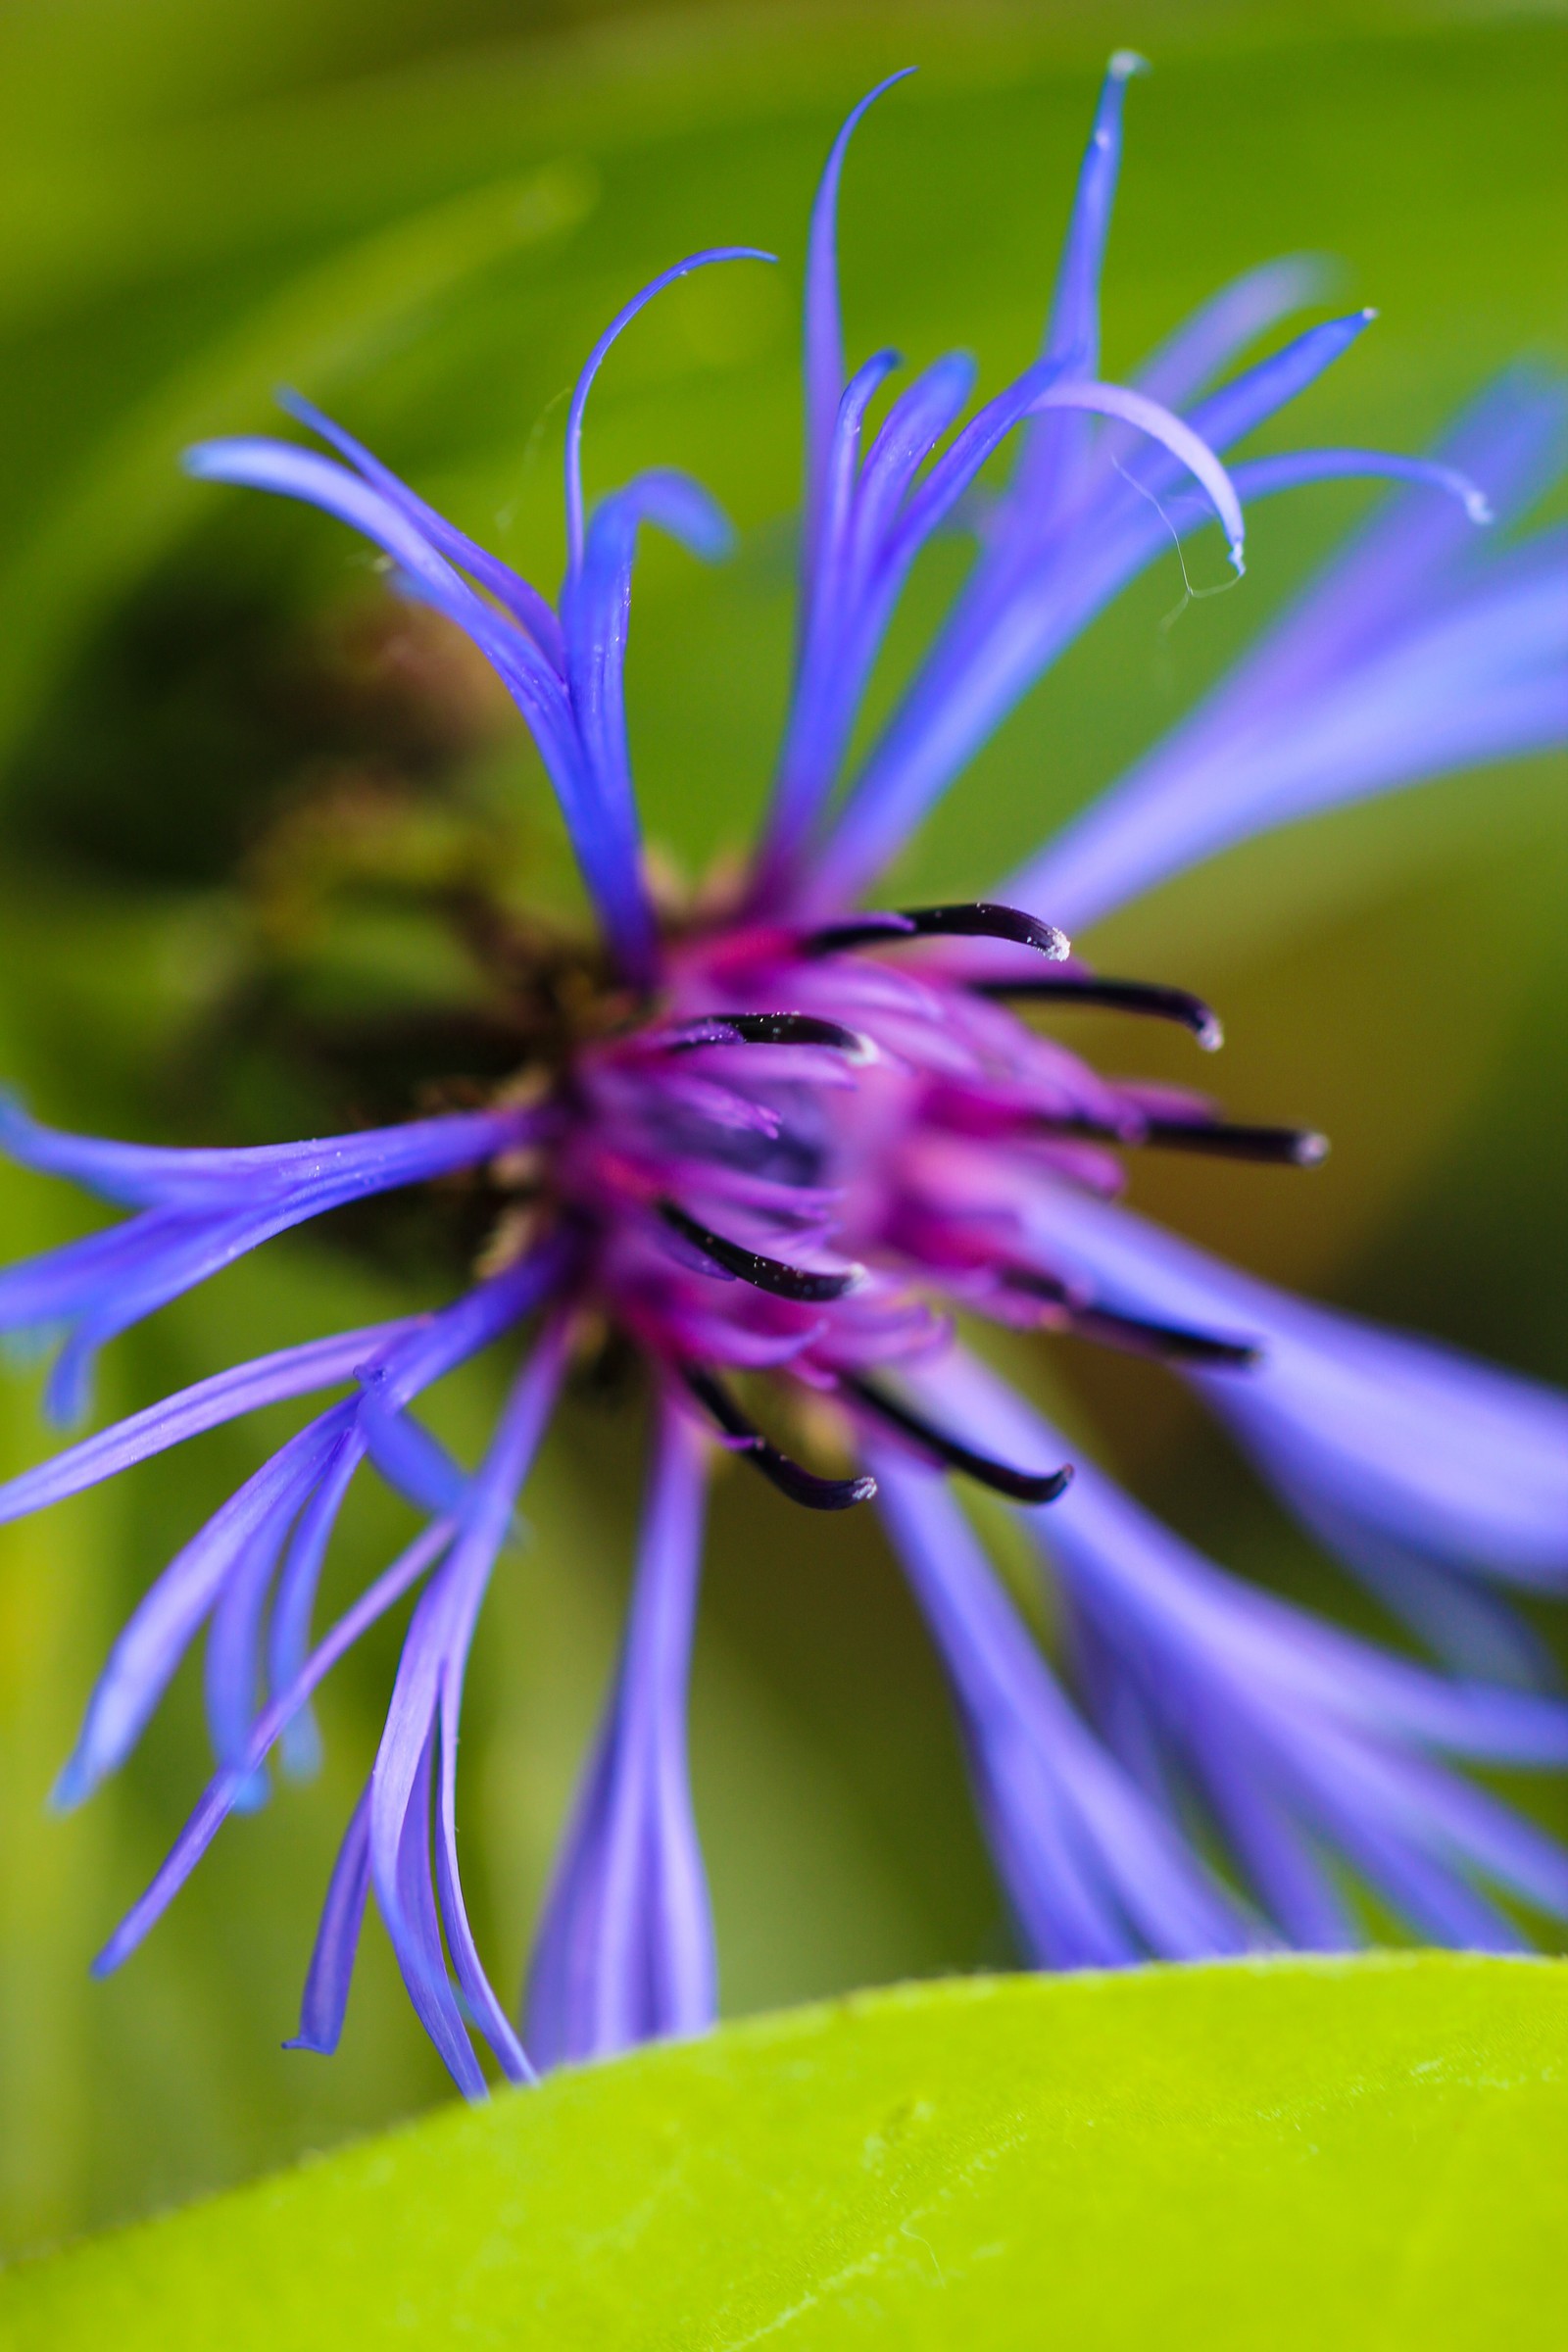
(790, 1135)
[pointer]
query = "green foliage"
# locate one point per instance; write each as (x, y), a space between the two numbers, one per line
(1287, 2153)
(423, 216)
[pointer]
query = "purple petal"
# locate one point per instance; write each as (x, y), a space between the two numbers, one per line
(111, 1280)
(624, 1951)
(1284, 1722)
(1072, 345)
(232, 1671)
(423, 1716)
(218, 1799)
(1250, 399)
(596, 359)
(1414, 1441)
(1222, 327)
(413, 1461)
(247, 1388)
(147, 1176)
(1072, 337)
(428, 1353)
(595, 611)
(1263, 477)
(337, 1939)
(154, 1641)
(1094, 1875)
(513, 594)
(602, 848)
(1414, 652)
(824, 344)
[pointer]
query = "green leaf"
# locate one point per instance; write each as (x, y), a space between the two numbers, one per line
(1315, 2152)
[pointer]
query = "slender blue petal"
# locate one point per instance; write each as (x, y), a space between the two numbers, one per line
(410, 1457)
(515, 595)
(1072, 345)
(1260, 392)
(427, 1353)
(1414, 1441)
(156, 1636)
(1072, 336)
(624, 1951)
(1029, 596)
(1222, 327)
(111, 1280)
(266, 1380)
(325, 1999)
(1263, 477)
(148, 1176)
(218, 1799)
(594, 614)
(596, 359)
(824, 340)
(231, 1668)
(422, 1720)
(605, 851)
(891, 796)
(1332, 1734)
(1095, 1876)
(1415, 652)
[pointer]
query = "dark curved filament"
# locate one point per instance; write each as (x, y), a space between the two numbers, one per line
(749, 1265)
(1273, 1147)
(769, 1029)
(800, 1485)
(981, 919)
(1147, 996)
(1023, 1485)
(1137, 1335)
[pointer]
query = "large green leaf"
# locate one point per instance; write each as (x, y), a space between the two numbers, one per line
(1365, 2153)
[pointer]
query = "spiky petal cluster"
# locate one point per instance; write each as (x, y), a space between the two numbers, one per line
(804, 1132)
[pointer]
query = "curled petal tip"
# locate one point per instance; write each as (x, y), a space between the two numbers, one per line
(72, 1787)
(1125, 62)
(112, 1956)
(1479, 506)
(1238, 560)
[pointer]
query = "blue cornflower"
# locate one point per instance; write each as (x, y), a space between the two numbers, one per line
(786, 1136)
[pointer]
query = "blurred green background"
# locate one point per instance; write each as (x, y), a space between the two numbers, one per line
(230, 771)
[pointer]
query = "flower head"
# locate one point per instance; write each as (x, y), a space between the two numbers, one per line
(780, 1138)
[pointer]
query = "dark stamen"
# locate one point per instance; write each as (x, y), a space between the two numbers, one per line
(749, 1265)
(1282, 1147)
(1169, 1343)
(981, 920)
(800, 1485)
(769, 1029)
(1023, 1485)
(1116, 995)
(1274, 1146)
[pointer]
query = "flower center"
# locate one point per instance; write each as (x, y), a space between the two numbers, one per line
(813, 1144)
